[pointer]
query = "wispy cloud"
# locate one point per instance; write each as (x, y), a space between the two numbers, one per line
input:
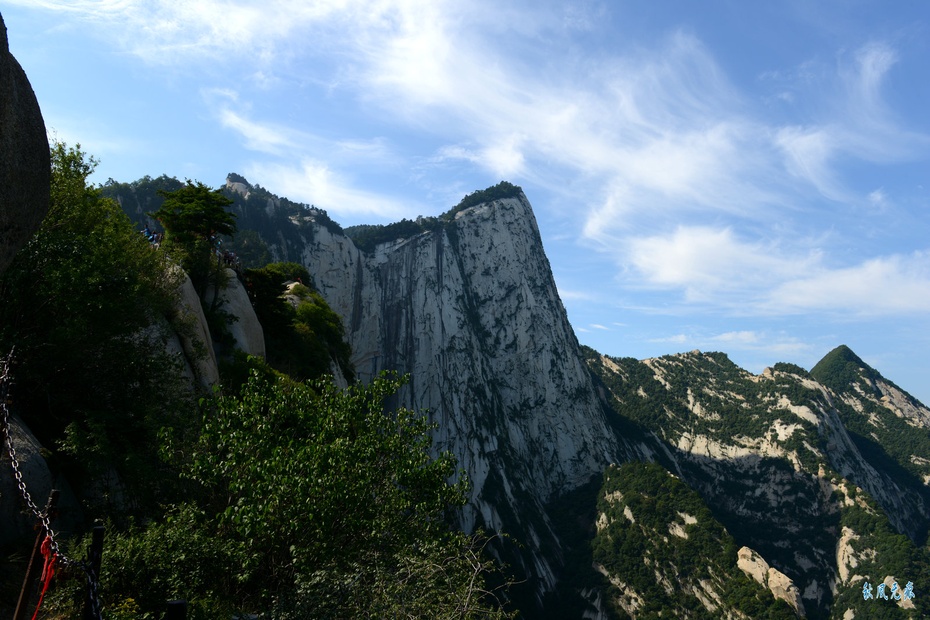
(314, 182)
(576, 295)
(680, 176)
(264, 137)
(887, 285)
(710, 264)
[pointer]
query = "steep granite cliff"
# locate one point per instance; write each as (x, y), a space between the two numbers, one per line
(471, 311)
(816, 483)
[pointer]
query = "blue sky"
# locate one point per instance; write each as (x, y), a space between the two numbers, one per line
(728, 176)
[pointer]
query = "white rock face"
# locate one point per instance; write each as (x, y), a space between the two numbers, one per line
(783, 588)
(246, 330)
(903, 406)
(472, 314)
(752, 564)
(780, 585)
(197, 346)
(846, 556)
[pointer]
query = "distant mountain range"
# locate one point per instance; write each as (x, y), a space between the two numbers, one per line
(790, 493)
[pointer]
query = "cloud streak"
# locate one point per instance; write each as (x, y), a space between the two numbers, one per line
(677, 174)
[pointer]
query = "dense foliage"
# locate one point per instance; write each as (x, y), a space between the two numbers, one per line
(500, 191)
(286, 499)
(85, 303)
(885, 439)
(641, 505)
(880, 552)
(310, 502)
(261, 217)
(368, 236)
(194, 218)
(304, 338)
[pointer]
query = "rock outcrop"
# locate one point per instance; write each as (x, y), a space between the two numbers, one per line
(24, 157)
(470, 310)
(192, 341)
(15, 520)
(777, 582)
(245, 329)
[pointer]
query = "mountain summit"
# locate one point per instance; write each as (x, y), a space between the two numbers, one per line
(804, 485)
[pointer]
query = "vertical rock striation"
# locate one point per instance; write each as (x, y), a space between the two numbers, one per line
(471, 312)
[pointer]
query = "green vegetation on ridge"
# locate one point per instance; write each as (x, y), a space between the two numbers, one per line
(368, 237)
(284, 498)
(86, 303)
(658, 537)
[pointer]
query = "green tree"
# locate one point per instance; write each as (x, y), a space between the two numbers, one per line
(314, 503)
(251, 249)
(194, 217)
(85, 303)
(305, 338)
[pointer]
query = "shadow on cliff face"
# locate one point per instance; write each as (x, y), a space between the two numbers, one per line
(25, 169)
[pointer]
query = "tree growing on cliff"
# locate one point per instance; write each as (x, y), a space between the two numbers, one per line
(194, 217)
(80, 303)
(312, 502)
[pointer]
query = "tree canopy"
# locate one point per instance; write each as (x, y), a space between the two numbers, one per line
(194, 216)
(195, 210)
(308, 502)
(85, 303)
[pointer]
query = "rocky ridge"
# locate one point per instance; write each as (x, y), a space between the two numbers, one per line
(775, 459)
(471, 312)
(786, 461)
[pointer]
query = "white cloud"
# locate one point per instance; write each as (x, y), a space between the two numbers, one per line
(809, 152)
(740, 337)
(170, 32)
(715, 267)
(878, 199)
(601, 327)
(315, 183)
(264, 137)
(576, 295)
(637, 137)
(676, 339)
(886, 285)
(706, 262)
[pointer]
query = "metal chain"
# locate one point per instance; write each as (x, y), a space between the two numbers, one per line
(42, 515)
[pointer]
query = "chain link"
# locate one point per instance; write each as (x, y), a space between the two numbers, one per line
(42, 515)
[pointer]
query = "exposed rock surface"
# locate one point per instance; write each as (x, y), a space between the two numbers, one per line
(16, 521)
(472, 313)
(245, 329)
(24, 157)
(193, 342)
(782, 458)
(785, 459)
(776, 581)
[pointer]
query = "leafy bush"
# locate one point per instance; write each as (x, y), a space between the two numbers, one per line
(302, 340)
(82, 303)
(311, 502)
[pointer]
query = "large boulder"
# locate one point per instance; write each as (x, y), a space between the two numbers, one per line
(25, 173)
(246, 331)
(196, 345)
(16, 520)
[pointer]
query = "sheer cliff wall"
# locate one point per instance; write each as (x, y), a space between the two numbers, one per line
(472, 313)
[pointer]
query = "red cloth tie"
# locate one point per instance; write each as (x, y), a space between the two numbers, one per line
(48, 570)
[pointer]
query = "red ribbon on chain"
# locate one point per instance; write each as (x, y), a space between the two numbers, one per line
(48, 570)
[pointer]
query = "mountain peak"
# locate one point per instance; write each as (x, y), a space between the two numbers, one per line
(841, 367)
